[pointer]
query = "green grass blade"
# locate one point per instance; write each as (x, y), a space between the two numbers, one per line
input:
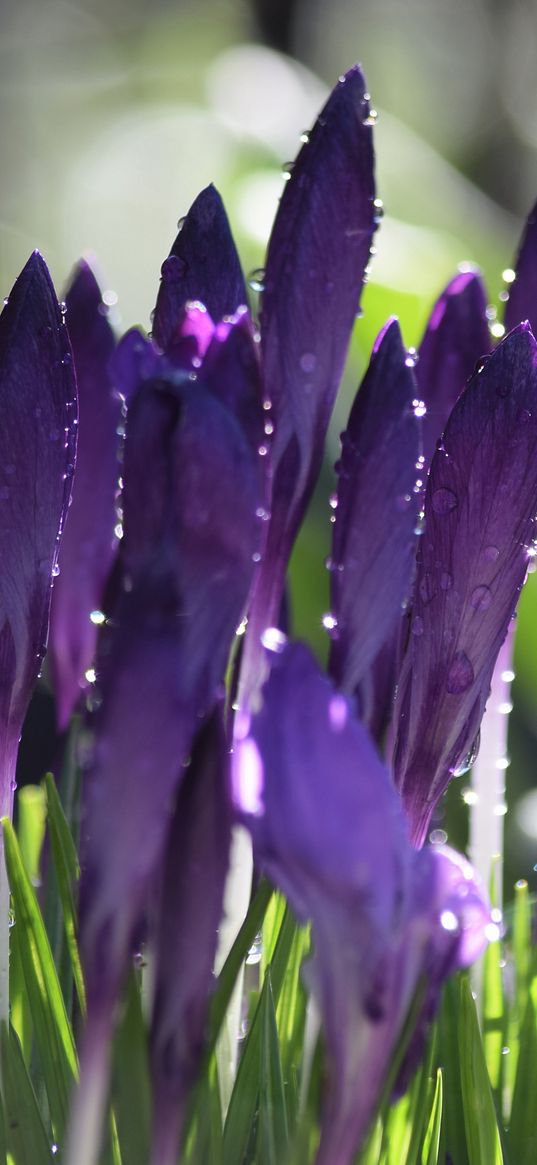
(228, 975)
(431, 1144)
(67, 871)
(522, 1135)
(272, 1128)
(54, 1039)
(27, 1140)
(130, 1080)
(482, 1133)
(31, 815)
(205, 1142)
(448, 1048)
(243, 1106)
(493, 1016)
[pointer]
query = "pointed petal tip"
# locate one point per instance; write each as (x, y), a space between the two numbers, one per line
(389, 334)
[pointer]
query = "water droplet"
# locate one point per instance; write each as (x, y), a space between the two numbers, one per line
(371, 118)
(262, 450)
(97, 617)
(507, 676)
(420, 524)
(308, 362)
(256, 557)
(481, 598)
(523, 416)
(256, 951)
(54, 435)
(460, 674)
(491, 553)
(268, 428)
(274, 640)
(449, 921)
(305, 136)
(55, 570)
(504, 389)
(427, 587)
(256, 280)
(287, 170)
(509, 275)
(333, 501)
(6, 300)
(438, 837)
(446, 580)
(262, 513)
(329, 623)
(402, 502)
(444, 500)
(463, 766)
(173, 269)
(63, 308)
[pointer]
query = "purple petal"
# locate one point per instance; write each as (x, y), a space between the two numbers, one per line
(321, 808)
(373, 544)
(89, 543)
(456, 337)
(522, 302)
(189, 915)
(37, 451)
(317, 255)
(203, 265)
(135, 359)
(191, 533)
(479, 509)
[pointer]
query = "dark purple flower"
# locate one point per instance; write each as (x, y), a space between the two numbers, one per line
(202, 265)
(37, 453)
(317, 256)
(456, 337)
(373, 544)
(189, 914)
(479, 524)
(192, 532)
(320, 806)
(522, 302)
(89, 543)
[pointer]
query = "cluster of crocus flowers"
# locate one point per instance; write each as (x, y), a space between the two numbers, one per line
(335, 777)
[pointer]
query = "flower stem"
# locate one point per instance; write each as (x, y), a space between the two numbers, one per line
(487, 796)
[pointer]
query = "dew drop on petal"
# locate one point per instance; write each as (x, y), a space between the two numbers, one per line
(417, 625)
(274, 640)
(308, 362)
(460, 674)
(491, 553)
(444, 500)
(481, 598)
(446, 580)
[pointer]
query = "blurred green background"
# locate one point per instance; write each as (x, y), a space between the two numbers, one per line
(115, 114)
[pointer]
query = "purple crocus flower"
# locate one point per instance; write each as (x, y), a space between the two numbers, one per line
(317, 256)
(522, 294)
(202, 265)
(373, 543)
(456, 337)
(89, 543)
(37, 454)
(317, 799)
(189, 912)
(192, 535)
(479, 525)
